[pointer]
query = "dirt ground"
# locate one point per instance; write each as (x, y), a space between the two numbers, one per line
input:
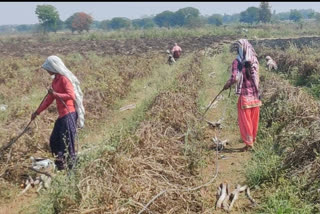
(21, 47)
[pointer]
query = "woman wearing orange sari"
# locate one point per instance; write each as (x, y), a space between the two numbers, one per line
(245, 72)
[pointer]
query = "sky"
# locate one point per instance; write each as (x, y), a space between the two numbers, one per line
(24, 12)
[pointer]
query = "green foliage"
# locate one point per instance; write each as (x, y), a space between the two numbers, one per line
(250, 15)
(231, 18)
(119, 23)
(305, 14)
(25, 28)
(285, 198)
(145, 23)
(186, 16)
(63, 193)
(317, 16)
(68, 23)
(264, 12)
(215, 19)
(295, 15)
(165, 19)
(265, 163)
(48, 17)
(105, 24)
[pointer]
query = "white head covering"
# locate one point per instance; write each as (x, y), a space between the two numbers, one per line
(55, 65)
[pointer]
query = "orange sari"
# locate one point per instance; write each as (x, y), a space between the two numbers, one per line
(248, 118)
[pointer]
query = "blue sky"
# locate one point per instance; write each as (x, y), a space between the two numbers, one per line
(24, 12)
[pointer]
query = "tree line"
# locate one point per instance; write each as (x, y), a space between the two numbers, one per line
(49, 19)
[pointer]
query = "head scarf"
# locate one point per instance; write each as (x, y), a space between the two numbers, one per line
(55, 65)
(246, 53)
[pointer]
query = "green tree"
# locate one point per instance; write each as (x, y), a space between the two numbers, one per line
(165, 19)
(295, 15)
(317, 16)
(195, 22)
(25, 28)
(311, 15)
(48, 17)
(105, 24)
(283, 16)
(186, 16)
(95, 24)
(144, 23)
(68, 23)
(231, 18)
(250, 15)
(215, 19)
(265, 12)
(307, 13)
(119, 23)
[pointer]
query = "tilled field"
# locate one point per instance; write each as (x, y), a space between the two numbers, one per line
(21, 47)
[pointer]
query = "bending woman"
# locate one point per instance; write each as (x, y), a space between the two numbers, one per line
(245, 72)
(68, 95)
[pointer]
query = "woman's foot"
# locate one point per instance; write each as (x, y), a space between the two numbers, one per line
(247, 148)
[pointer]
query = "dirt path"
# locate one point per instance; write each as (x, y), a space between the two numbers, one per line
(231, 161)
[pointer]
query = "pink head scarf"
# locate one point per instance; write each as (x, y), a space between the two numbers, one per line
(246, 53)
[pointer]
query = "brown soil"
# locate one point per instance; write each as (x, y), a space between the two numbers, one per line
(284, 43)
(21, 47)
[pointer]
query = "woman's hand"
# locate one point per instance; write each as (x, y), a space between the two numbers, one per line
(226, 86)
(33, 115)
(50, 90)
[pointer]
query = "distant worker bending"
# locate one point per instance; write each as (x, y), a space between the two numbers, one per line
(176, 51)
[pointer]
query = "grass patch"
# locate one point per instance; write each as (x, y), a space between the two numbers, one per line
(284, 197)
(277, 166)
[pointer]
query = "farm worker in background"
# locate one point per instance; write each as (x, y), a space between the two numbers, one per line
(245, 71)
(65, 87)
(170, 60)
(176, 51)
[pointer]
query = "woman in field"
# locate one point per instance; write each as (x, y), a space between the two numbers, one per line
(176, 51)
(245, 72)
(68, 95)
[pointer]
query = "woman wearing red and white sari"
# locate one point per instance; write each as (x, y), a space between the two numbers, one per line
(245, 72)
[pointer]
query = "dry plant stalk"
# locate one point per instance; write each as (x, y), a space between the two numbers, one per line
(152, 169)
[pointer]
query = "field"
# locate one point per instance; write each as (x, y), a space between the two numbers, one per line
(159, 157)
